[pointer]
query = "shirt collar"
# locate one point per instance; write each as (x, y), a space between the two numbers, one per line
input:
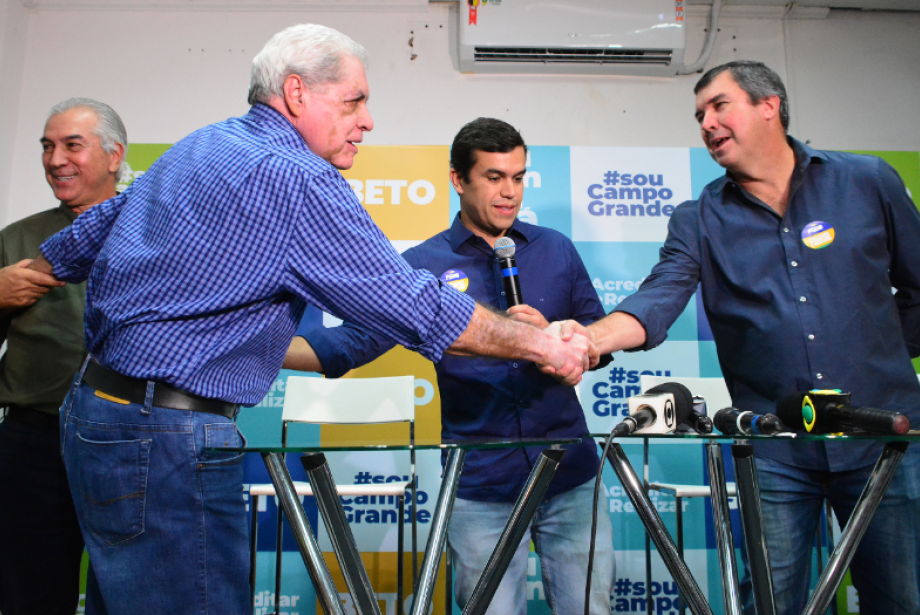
(277, 127)
(459, 234)
(804, 156)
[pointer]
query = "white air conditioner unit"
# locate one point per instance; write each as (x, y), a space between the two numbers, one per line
(589, 37)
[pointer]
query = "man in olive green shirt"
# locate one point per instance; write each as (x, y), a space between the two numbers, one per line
(41, 321)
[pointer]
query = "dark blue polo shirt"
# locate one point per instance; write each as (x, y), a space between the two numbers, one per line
(804, 301)
(482, 397)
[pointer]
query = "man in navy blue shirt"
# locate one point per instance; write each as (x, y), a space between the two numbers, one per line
(500, 398)
(797, 251)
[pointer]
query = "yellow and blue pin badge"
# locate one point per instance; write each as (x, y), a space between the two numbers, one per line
(456, 279)
(817, 235)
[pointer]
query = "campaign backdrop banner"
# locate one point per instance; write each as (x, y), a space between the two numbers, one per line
(615, 204)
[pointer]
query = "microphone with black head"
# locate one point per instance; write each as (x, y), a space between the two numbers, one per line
(698, 420)
(734, 422)
(659, 410)
(829, 411)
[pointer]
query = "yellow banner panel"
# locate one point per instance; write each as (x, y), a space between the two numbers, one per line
(405, 188)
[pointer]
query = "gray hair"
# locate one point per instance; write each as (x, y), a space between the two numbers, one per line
(756, 79)
(110, 129)
(313, 52)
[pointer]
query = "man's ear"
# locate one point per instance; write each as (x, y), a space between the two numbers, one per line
(456, 181)
(769, 107)
(116, 157)
(296, 95)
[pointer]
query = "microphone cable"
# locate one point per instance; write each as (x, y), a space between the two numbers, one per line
(624, 428)
(683, 401)
(597, 494)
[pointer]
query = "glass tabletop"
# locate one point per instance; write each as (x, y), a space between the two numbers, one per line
(400, 444)
(910, 436)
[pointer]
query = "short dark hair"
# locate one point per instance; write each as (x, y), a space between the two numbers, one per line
(756, 79)
(484, 134)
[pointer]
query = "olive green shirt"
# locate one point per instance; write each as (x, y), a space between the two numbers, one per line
(44, 342)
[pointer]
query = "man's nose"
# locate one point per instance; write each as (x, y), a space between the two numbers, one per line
(366, 122)
(709, 121)
(58, 157)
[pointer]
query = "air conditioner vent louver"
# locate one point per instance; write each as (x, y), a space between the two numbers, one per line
(573, 55)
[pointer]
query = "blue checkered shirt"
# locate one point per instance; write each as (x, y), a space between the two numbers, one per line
(200, 271)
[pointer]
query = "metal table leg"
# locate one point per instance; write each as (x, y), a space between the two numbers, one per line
(326, 591)
(421, 601)
(752, 524)
(856, 527)
(723, 528)
(680, 545)
(648, 543)
(829, 519)
(653, 525)
(518, 522)
(343, 541)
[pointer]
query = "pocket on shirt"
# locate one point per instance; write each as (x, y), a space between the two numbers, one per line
(113, 487)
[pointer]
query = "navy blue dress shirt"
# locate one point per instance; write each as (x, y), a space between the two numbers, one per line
(802, 301)
(483, 397)
(200, 271)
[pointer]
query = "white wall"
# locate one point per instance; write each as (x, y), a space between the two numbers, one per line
(14, 24)
(854, 79)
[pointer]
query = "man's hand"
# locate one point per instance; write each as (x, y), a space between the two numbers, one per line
(568, 328)
(40, 264)
(526, 314)
(21, 286)
(569, 359)
(616, 331)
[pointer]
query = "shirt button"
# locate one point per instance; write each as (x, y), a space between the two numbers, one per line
(794, 263)
(802, 299)
(811, 337)
(785, 229)
(514, 365)
(819, 376)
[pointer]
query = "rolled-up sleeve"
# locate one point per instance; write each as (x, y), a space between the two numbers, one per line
(73, 251)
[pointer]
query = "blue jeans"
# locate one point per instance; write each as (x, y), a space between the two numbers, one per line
(40, 541)
(561, 533)
(163, 520)
(886, 566)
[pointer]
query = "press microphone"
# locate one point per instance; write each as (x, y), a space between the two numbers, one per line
(504, 251)
(697, 419)
(659, 410)
(734, 422)
(829, 411)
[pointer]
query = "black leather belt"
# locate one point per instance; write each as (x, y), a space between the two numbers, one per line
(117, 388)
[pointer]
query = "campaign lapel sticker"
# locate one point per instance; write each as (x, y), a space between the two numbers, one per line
(456, 278)
(817, 235)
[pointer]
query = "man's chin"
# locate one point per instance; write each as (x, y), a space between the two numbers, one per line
(343, 163)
